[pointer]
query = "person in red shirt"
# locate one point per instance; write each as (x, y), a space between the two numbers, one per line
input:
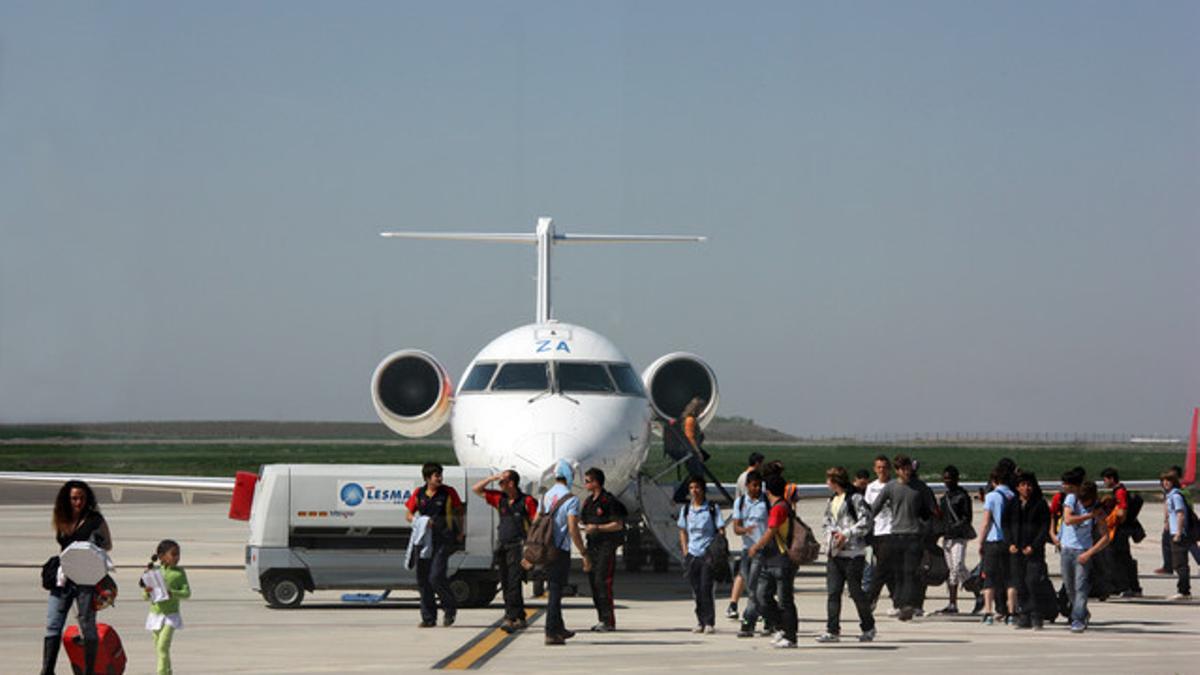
(1126, 572)
(442, 505)
(516, 511)
(776, 582)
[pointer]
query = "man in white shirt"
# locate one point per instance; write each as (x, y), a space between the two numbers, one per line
(881, 571)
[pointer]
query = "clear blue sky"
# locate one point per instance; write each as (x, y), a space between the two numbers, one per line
(924, 216)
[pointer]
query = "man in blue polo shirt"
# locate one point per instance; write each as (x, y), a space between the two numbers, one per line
(1177, 528)
(750, 521)
(1078, 547)
(992, 549)
(699, 524)
(566, 530)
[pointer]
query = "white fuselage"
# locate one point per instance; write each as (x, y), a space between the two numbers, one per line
(502, 424)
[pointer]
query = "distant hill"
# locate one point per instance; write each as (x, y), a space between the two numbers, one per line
(721, 430)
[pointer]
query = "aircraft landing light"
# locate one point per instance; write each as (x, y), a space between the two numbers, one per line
(484, 646)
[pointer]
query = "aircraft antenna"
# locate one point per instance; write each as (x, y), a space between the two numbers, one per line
(545, 237)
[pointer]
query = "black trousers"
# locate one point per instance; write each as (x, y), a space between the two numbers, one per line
(557, 575)
(431, 579)
(508, 562)
(603, 556)
(1126, 573)
(1027, 573)
(700, 576)
(838, 573)
(906, 561)
(883, 572)
(1179, 564)
(776, 596)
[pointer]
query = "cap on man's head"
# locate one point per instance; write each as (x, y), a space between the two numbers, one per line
(564, 471)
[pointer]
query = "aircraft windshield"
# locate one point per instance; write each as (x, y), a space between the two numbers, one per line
(522, 377)
(478, 378)
(583, 377)
(627, 381)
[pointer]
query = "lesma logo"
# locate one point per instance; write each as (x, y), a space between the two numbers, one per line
(364, 495)
(352, 494)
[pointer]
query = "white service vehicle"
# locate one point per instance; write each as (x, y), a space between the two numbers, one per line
(343, 526)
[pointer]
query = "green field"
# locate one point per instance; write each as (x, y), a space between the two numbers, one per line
(804, 463)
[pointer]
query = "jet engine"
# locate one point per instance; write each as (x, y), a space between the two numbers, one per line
(412, 393)
(674, 379)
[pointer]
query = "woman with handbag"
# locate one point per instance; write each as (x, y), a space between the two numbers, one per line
(76, 518)
(955, 506)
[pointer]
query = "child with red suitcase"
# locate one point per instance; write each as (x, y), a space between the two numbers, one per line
(164, 586)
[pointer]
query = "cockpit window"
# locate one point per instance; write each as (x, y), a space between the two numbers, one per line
(583, 377)
(478, 378)
(627, 381)
(522, 377)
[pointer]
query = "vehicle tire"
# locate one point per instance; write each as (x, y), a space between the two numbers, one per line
(283, 591)
(472, 590)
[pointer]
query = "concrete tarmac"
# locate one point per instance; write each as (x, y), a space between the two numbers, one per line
(229, 629)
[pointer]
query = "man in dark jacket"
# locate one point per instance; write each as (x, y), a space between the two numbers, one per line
(603, 518)
(1026, 530)
(955, 507)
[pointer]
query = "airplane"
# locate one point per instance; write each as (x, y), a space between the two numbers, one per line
(541, 393)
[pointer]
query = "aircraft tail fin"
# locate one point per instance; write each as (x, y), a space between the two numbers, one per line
(1189, 467)
(545, 237)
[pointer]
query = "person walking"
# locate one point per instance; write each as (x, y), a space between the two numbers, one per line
(603, 518)
(516, 511)
(1078, 547)
(443, 508)
(753, 465)
(955, 506)
(1026, 530)
(564, 506)
(1177, 527)
(700, 523)
(750, 521)
(776, 582)
(164, 617)
(992, 549)
(1126, 517)
(881, 571)
(913, 508)
(76, 519)
(846, 523)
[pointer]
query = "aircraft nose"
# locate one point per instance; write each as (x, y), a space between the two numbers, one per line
(542, 453)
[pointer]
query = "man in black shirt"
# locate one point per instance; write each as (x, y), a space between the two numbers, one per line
(515, 510)
(603, 518)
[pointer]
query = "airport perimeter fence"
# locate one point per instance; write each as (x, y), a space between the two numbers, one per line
(999, 438)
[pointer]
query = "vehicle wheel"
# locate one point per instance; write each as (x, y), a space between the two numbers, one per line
(283, 591)
(472, 591)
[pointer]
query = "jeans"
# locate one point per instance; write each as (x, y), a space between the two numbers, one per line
(60, 603)
(777, 598)
(700, 576)
(431, 578)
(838, 573)
(750, 568)
(557, 575)
(1076, 578)
(508, 560)
(603, 556)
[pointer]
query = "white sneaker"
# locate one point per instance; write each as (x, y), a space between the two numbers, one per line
(867, 636)
(828, 637)
(710, 629)
(1179, 597)
(778, 636)
(893, 612)
(784, 643)
(698, 629)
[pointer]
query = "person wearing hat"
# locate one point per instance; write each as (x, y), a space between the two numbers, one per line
(566, 531)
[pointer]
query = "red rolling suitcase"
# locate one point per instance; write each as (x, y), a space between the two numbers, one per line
(110, 655)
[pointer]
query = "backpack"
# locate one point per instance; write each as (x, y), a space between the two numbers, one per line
(718, 550)
(540, 549)
(803, 547)
(933, 569)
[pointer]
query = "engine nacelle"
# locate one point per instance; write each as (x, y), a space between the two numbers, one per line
(412, 393)
(673, 380)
